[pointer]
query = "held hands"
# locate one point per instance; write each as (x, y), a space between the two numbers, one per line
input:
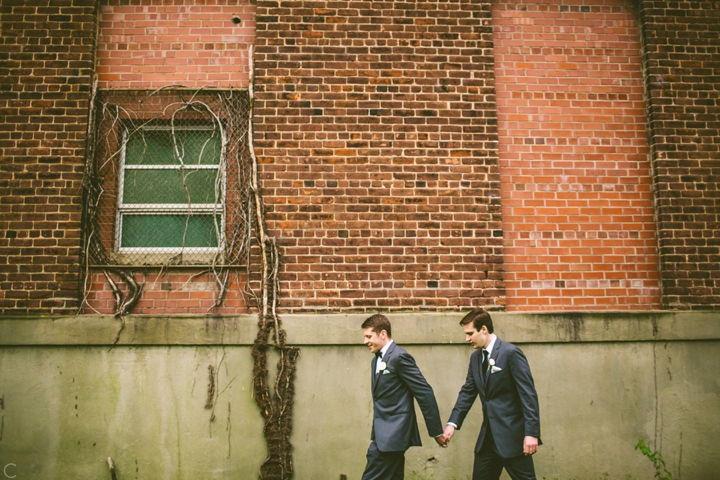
(444, 439)
(530, 444)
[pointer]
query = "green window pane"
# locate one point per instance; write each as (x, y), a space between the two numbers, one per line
(166, 186)
(156, 147)
(167, 231)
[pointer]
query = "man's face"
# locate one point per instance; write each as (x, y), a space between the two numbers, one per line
(478, 339)
(374, 341)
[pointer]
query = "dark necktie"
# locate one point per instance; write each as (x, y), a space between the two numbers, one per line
(484, 362)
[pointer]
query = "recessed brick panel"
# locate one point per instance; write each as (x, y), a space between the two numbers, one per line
(682, 62)
(46, 62)
(153, 44)
(376, 132)
(576, 184)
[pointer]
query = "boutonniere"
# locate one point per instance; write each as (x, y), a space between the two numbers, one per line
(491, 361)
(381, 366)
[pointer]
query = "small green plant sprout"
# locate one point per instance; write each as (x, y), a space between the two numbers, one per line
(661, 472)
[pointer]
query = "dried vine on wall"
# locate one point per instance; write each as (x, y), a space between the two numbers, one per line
(177, 135)
(276, 403)
(243, 240)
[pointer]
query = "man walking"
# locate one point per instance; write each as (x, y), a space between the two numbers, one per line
(396, 380)
(500, 374)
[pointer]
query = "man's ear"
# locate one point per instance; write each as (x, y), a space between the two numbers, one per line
(383, 334)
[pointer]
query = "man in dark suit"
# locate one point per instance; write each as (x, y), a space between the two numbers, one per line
(396, 380)
(500, 374)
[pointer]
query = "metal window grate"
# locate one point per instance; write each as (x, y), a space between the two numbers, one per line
(168, 177)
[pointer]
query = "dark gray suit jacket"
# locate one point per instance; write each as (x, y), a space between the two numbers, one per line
(509, 400)
(395, 426)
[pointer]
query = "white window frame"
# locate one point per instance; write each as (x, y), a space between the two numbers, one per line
(155, 209)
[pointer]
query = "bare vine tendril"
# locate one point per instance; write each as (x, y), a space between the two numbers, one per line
(238, 225)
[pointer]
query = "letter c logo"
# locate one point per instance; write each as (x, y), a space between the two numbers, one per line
(5, 470)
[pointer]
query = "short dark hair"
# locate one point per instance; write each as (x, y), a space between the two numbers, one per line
(478, 317)
(378, 323)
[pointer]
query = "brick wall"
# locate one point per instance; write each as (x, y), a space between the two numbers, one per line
(46, 64)
(153, 43)
(149, 44)
(682, 62)
(376, 130)
(177, 291)
(576, 186)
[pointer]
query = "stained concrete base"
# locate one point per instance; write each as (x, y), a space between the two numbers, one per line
(72, 395)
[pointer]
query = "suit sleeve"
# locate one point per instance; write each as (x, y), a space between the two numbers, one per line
(422, 391)
(520, 370)
(466, 397)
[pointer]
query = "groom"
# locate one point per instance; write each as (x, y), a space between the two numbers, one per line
(396, 380)
(499, 373)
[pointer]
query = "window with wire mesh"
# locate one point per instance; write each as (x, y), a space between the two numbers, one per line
(167, 181)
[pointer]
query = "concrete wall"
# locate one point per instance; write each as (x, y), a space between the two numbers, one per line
(70, 399)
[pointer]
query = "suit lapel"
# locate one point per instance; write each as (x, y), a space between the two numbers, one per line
(497, 351)
(373, 368)
(386, 359)
(481, 376)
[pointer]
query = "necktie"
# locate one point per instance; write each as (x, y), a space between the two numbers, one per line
(485, 362)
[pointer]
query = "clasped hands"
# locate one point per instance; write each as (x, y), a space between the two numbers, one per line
(530, 444)
(444, 439)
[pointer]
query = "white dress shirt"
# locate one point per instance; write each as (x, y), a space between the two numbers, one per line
(383, 350)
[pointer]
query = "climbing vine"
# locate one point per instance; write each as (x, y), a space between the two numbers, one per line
(276, 403)
(136, 133)
(166, 185)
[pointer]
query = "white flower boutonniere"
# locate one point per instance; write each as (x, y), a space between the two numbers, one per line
(381, 366)
(491, 361)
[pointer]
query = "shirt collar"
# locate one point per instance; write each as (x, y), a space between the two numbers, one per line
(492, 344)
(384, 349)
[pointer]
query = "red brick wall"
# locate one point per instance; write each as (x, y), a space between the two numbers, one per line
(170, 292)
(46, 62)
(375, 127)
(153, 44)
(682, 62)
(576, 185)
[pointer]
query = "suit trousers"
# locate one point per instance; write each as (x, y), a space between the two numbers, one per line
(489, 464)
(384, 465)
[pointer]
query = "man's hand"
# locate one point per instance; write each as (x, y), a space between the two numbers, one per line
(448, 433)
(441, 440)
(530, 445)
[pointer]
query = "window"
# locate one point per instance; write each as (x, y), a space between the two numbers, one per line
(167, 182)
(171, 191)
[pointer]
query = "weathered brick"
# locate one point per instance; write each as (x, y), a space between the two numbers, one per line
(682, 64)
(367, 127)
(30, 47)
(178, 291)
(140, 49)
(573, 155)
